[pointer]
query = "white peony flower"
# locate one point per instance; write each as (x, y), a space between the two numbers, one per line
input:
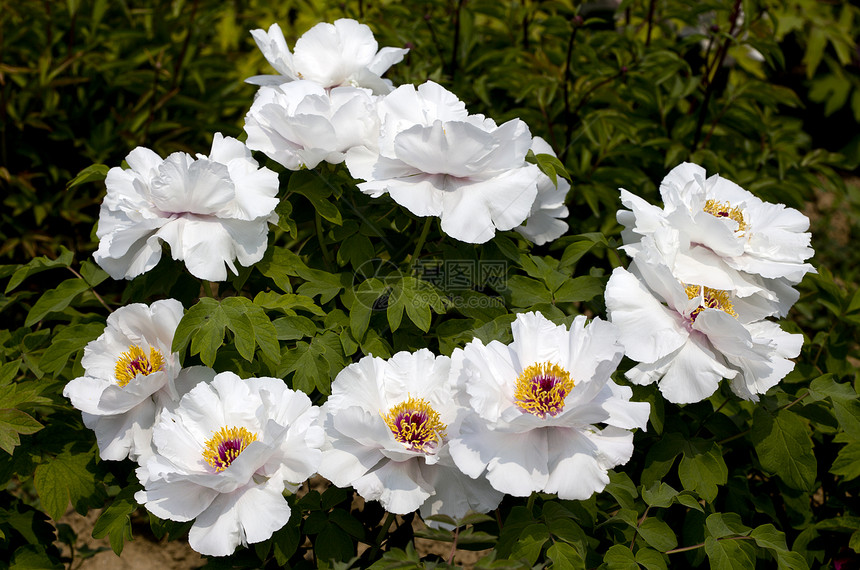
(546, 219)
(387, 427)
(210, 210)
(689, 336)
(130, 374)
(537, 405)
(225, 455)
(718, 219)
(332, 55)
(435, 159)
(300, 124)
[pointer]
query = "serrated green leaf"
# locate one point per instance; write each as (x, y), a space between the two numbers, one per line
(846, 403)
(66, 478)
(54, 300)
(14, 422)
(784, 447)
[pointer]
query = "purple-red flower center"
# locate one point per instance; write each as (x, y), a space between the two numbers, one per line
(134, 361)
(225, 445)
(541, 389)
(416, 425)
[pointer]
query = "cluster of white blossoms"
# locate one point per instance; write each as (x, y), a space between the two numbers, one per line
(418, 144)
(440, 435)
(707, 271)
(451, 435)
(444, 436)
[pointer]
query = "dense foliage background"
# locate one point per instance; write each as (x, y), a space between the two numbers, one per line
(767, 93)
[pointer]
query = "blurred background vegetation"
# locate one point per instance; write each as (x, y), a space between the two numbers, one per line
(764, 92)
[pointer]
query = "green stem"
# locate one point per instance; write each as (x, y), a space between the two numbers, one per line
(377, 544)
(325, 252)
(425, 231)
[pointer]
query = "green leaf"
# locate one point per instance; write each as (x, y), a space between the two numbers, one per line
(57, 299)
(767, 536)
(564, 556)
(37, 265)
(651, 559)
(582, 288)
(14, 422)
(847, 462)
(68, 477)
(619, 557)
(526, 291)
(703, 472)
(115, 520)
(784, 447)
(66, 342)
(659, 495)
(622, 489)
(657, 534)
(721, 525)
(333, 542)
(730, 554)
(311, 186)
(846, 403)
(530, 543)
(92, 173)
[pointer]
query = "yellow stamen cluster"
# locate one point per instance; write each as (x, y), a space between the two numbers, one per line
(225, 445)
(416, 425)
(726, 210)
(542, 388)
(134, 361)
(710, 299)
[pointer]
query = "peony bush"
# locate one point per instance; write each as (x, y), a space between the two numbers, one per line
(486, 300)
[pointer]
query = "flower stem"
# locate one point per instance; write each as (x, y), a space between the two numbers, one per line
(454, 545)
(93, 289)
(421, 239)
(701, 544)
(325, 252)
(383, 530)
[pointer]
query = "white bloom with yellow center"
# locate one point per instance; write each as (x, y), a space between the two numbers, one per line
(387, 428)
(129, 375)
(225, 455)
(724, 230)
(331, 55)
(545, 414)
(211, 210)
(689, 336)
